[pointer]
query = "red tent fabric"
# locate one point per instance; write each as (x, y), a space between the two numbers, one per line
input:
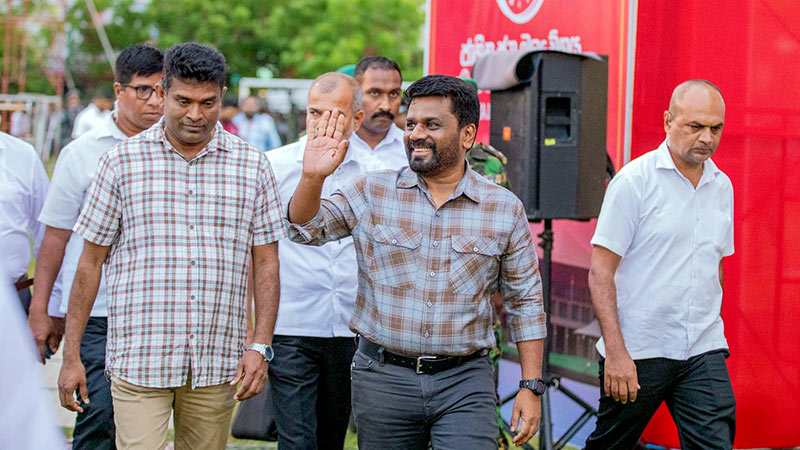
(750, 51)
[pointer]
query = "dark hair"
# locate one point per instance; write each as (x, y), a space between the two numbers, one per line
(103, 91)
(142, 59)
(193, 62)
(375, 62)
(230, 100)
(464, 102)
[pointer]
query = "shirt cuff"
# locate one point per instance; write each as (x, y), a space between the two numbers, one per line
(304, 233)
(93, 236)
(612, 245)
(527, 328)
(57, 222)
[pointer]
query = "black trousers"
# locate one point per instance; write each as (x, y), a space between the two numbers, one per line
(309, 380)
(94, 427)
(698, 394)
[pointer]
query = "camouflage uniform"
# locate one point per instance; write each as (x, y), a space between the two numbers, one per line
(489, 162)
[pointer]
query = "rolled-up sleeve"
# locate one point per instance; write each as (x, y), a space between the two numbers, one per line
(336, 218)
(521, 283)
(100, 218)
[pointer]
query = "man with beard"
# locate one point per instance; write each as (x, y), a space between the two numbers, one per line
(310, 377)
(656, 282)
(379, 138)
(137, 72)
(433, 242)
(176, 214)
(256, 127)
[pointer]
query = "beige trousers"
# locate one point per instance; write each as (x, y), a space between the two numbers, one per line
(202, 416)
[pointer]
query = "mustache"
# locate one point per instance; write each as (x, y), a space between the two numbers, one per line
(387, 114)
(420, 143)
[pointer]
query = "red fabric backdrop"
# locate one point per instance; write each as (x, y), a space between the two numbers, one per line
(751, 51)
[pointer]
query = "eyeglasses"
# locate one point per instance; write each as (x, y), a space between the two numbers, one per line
(142, 92)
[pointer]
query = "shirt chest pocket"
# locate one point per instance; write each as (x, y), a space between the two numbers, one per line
(223, 214)
(394, 256)
(717, 230)
(474, 263)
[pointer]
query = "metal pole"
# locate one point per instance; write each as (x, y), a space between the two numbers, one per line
(546, 426)
(101, 33)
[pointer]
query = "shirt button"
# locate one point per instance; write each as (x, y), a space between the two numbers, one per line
(474, 249)
(192, 297)
(394, 241)
(191, 227)
(427, 333)
(430, 303)
(193, 263)
(435, 244)
(191, 192)
(433, 274)
(191, 336)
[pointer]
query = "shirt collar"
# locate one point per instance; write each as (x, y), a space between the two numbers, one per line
(469, 185)
(394, 134)
(664, 161)
(221, 139)
(110, 128)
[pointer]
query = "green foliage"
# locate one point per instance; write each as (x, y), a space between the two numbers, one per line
(292, 38)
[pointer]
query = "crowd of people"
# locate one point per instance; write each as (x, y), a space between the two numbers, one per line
(353, 269)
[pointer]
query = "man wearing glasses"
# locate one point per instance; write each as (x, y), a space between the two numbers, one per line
(138, 70)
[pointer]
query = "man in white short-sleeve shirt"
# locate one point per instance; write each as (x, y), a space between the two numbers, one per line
(137, 72)
(656, 283)
(310, 377)
(23, 186)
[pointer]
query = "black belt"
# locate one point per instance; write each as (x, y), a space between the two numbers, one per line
(427, 364)
(23, 282)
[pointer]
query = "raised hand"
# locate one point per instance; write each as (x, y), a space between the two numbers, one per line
(325, 148)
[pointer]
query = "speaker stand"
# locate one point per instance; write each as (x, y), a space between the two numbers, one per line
(554, 381)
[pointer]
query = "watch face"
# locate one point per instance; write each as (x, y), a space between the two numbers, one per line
(536, 385)
(269, 353)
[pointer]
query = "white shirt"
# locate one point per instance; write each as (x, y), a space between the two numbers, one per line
(27, 419)
(90, 117)
(671, 237)
(318, 284)
(23, 186)
(73, 174)
(260, 131)
(390, 153)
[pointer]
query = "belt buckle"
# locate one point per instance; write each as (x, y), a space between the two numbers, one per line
(422, 358)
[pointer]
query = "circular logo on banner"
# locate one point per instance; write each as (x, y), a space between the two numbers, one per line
(520, 11)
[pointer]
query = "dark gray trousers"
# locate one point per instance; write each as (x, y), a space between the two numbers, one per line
(396, 408)
(310, 387)
(698, 394)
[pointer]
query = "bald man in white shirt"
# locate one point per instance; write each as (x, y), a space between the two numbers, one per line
(656, 283)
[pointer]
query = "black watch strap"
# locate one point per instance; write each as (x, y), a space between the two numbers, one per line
(536, 385)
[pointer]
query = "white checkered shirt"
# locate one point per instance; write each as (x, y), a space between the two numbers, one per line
(180, 234)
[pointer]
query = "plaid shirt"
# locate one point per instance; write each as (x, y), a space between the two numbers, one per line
(180, 233)
(426, 274)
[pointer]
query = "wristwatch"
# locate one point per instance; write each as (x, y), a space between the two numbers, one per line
(537, 385)
(265, 351)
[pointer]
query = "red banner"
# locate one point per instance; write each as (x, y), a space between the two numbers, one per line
(460, 32)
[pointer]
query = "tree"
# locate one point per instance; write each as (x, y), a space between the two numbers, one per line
(293, 38)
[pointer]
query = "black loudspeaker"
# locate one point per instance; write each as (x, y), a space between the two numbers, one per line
(552, 129)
